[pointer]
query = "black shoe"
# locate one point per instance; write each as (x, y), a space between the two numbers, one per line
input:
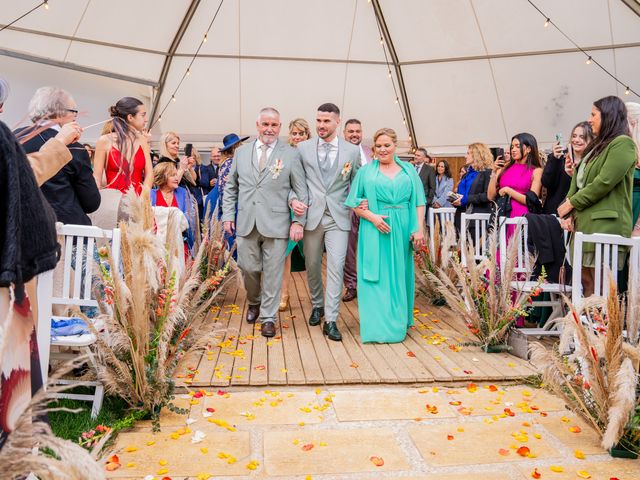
(350, 294)
(268, 329)
(253, 312)
(330, 329)
(316, 316)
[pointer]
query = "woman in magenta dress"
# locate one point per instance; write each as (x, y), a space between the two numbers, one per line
(521, 175)
(122, 159)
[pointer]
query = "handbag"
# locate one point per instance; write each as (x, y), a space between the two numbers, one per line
(503, 206)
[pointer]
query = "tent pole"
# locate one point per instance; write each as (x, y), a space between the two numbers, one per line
(188, 16)
(398, 69)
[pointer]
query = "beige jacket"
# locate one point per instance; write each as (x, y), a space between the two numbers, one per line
(48, 161)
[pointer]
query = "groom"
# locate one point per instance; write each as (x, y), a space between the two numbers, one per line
(262, 175)
(330, 164)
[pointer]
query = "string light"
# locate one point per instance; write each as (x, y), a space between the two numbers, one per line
(381, 41)
(44, 3)
(173, 98)
(589, 59)
(188, 71)
(396, 100)
(204, 40)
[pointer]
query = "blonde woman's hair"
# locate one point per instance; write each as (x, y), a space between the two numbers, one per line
(482, 158)
(300, 124)
(197, 156)
(107, 128)
(166, 138)
(162, 172)
(633, 116)
(389, 132)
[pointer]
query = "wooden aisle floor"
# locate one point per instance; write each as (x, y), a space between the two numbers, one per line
(434, 350)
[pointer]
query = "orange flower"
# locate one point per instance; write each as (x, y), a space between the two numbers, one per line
(377, 461)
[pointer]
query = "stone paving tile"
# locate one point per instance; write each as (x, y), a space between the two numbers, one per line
(389, 404)
(331, 452)
(182, 457)
(586, 440)
(464, 476)
(614, 468)
(477, 443)
(263, 407)
(169, 418)
(484, 401)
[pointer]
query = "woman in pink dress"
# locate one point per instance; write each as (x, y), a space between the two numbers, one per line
(519, 176)
(122, 158)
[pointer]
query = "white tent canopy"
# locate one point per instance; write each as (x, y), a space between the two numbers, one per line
(471, 70)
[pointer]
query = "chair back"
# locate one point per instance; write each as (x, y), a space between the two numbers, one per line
(607, 248)
(479, 239)
(520, 236)
(443, 216)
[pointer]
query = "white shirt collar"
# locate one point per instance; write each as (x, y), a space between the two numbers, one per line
(259, 144)
(333, 142)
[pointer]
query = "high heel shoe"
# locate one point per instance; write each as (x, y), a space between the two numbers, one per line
(284, 303)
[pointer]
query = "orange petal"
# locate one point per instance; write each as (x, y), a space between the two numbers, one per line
(377, 461)
(523, 451)
(504, 452)
(575, 429)
(111, 466)
(449, 437)
(410, 354)
(307, 447)
(535, 473)
(113, 459)
(493, 388)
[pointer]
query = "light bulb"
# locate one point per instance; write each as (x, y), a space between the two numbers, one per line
(381, 40)
(188, 71)
(546, 22)
(46, 4)
(627, 91)
(588, 62)
(173, 98)
(160, 118)
(396, 99)
(204, 40)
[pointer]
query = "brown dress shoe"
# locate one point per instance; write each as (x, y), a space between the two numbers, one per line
(350, 294)
(268, 329)
(253, 312)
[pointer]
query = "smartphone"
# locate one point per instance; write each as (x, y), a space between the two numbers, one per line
(559, 138)
(188, 149)
(500, 152)
(570, 154)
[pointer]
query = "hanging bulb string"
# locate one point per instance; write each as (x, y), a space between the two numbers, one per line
(173, 98)
(44, 4)
(590, 58)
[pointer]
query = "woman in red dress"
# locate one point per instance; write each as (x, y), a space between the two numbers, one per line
(122, 158)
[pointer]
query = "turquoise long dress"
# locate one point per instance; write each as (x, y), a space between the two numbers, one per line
(385, 261)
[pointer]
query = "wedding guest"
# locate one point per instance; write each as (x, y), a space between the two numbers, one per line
(170, 152)
(554, 177)
(299, 131)
(203, 174)
(600, 195)
(392, 227)
(72, 192)
(122, 159)
(633, 117)
(427, 175)
(353, 134)
(444, 185)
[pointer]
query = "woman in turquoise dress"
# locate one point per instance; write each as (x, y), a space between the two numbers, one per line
(388, 194)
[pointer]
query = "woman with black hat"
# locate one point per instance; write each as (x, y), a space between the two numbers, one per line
(231, 143)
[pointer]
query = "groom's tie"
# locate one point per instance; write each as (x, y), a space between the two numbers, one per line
(263, 157)
(325, 165)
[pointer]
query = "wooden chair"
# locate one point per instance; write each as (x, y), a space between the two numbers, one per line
(480, 222)
(523, 267)
(444, 215)
(78, 270)
(606, 261)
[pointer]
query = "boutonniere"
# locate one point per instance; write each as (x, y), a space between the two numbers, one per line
(346, 170)
(276, 168)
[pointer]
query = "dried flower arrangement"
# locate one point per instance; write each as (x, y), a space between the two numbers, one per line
(599, 380)
(431, 260)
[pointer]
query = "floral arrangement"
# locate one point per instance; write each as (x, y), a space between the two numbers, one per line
(475, 291)
(155, 315)
(276, 168)
(599, 380)
(429, 261)
(346, 170)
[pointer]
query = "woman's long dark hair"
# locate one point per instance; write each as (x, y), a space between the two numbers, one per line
(613, 123)
(447, 170)
(533, 158)
(125, 136)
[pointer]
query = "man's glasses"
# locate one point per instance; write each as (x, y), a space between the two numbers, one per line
(72, 110)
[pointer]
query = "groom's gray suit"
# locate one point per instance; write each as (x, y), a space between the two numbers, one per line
(328, 219)
(264, 218)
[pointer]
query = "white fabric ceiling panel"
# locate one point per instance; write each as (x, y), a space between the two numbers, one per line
(434, 29)
(208, 101)
(365, 42)
(454, 104)
(93, 94)
(126, 62)
(61, 17)
(543, 108)
(39, 45)
(515, 26)
(628, 70)
(223, 37)
(625, 25)
(148, 24)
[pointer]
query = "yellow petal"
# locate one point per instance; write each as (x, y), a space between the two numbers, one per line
(131, 465)
(204, 450)
(556, 468)
(162, 471)
(131, 449)
(583, 474)
(149, 443)
(163, 463)
(578, 454)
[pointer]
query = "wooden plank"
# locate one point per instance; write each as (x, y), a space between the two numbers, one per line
(220, 376)
(275, 359)
(328, 365)
(242, 365)
(436, 370)
(413, 364)
(292, 360)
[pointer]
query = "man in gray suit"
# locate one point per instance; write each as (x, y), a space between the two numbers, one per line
(427, 176)
(330, 164)
(262, 176)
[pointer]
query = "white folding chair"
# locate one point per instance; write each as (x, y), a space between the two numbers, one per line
(480, 222)
(606, 261)
(523, 267)
(444, 215)
(77, 290)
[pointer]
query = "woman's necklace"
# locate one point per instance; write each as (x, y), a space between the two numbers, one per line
(168, 197)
